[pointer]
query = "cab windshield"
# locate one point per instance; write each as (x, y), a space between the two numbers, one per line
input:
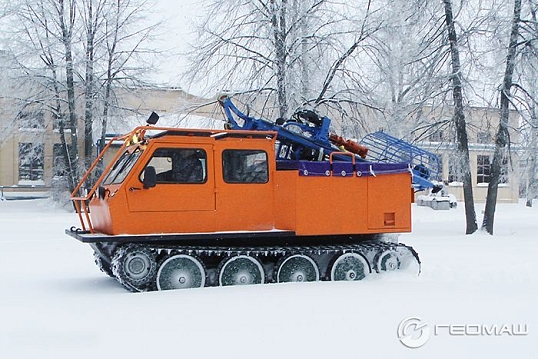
(122, 167)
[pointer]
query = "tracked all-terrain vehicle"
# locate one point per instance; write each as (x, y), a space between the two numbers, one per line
(256, 202)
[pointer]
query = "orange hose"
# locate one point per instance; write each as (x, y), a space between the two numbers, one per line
(349, 145)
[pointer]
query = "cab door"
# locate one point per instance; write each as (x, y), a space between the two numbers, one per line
(244, 181)
(185, 180)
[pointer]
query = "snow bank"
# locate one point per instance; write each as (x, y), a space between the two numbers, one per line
(55, 303)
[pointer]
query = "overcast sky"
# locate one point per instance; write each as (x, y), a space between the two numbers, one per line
(178, 17)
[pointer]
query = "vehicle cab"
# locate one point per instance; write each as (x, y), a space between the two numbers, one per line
(188, 181)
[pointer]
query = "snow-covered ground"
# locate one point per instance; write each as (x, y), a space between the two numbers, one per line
(55, 303)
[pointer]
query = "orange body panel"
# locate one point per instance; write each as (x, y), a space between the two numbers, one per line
(307, 205)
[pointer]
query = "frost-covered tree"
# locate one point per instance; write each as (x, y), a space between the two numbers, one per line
(406, 57)
(502, 138)
(300, 51)
(43, 52)
(458, 119)
(92, 19)
(127, 52)
(74, 50)
(116, 42)
(417, 71)
(526, 95)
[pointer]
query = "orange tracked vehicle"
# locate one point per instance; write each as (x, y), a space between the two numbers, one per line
(257, 202)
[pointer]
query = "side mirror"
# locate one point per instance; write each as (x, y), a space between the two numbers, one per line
(150, 177)
(102, 192)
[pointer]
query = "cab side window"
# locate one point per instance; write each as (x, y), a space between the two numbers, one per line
(245, 166)
(180, 165)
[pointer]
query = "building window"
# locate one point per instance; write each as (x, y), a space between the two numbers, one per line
(454, 169)
(245, 166)
(504, 171)
(58, 161)
(436, 136)
(483, 137)
(483, 168)
(31, 121)
(31, 159)
(56, 120)
(55, 123)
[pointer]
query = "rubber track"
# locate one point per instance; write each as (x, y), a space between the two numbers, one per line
(322, 255)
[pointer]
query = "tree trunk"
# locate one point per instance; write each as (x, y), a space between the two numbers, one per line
(502, 138)
(305, 56)
(66, 153)
(70, 83)
(278, 22)
(532, 182)
(459, 121)
(89, 88)
(48, 58)
(106, 106)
